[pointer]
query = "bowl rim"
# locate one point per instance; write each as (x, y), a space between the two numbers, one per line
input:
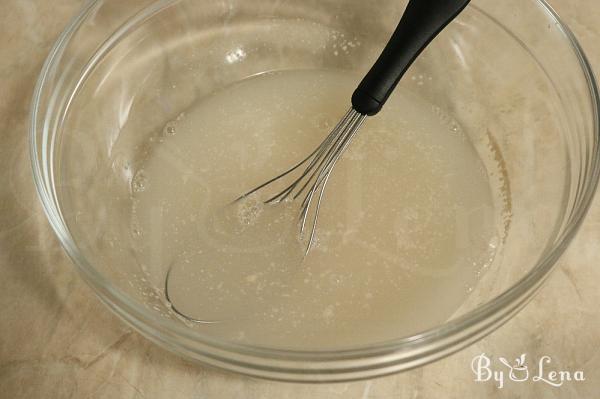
(256, 360)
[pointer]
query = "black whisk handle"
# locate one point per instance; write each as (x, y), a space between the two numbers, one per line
(422, 21)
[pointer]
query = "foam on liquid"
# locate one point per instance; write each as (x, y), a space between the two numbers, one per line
(407, 224)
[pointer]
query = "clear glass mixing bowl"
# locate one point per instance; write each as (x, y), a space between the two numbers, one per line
(508, 71)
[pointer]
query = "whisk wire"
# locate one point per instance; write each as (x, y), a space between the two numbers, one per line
(315, 156)
(314, 177)
(324, 173)
(328, 157)
(339, 134)
(322, 154)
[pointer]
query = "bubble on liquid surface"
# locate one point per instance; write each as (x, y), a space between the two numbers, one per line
(249, 210)
(140, 182)
(170, 129)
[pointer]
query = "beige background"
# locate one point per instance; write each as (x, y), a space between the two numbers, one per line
(58, 341)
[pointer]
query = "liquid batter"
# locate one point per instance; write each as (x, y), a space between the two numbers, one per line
(407, 223)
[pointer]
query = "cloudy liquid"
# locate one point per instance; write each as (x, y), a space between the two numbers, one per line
(407, 223)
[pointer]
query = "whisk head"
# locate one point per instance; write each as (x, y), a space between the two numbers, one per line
(312, 180)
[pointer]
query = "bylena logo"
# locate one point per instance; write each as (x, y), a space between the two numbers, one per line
(518, 371)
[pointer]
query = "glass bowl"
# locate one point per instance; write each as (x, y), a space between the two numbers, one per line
(510, 73)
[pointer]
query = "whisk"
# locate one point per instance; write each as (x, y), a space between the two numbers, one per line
(422, 21)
